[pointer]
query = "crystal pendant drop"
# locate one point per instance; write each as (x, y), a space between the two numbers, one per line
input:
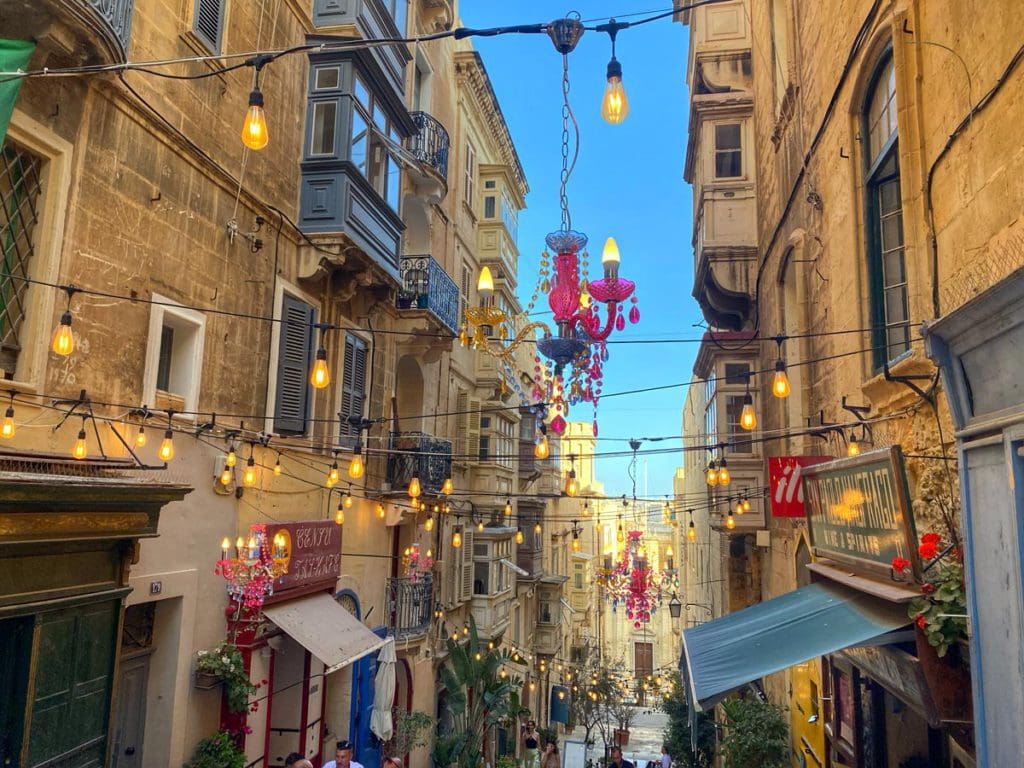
(620, 322)
(558, 425)
(634, 314)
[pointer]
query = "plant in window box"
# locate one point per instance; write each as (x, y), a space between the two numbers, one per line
(940, 613)
(224, 665)
(405, 299)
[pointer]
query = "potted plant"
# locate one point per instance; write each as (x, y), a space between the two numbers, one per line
(405, 299)
(756, 736)
(217, 751)
(224, 665)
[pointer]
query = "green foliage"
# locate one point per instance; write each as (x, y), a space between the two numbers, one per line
(546, 735)
(941, 610)
(478, 698)
(678, 735)
(217, 751)
(412, 731)
(506, 761)
(757, 735)
(225, 662)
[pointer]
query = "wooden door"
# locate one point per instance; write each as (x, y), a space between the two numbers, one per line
(131, 712)
(15, 656)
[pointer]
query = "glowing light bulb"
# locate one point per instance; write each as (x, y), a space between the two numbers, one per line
(542, 450)
(249, 477)
(620, 535)
(479, 526)
(225, 476)
(746, 504)
(457, 539)
(166, 452)
(575, 543)
(320, 376)
(347, 500)
(748, 419)
(63, 342)
(414, 486)
(780, 383)
(610, 254)
(730, 521)
(239, 544)
(537, 529)
(712, 475)
(485, 285)
(7, 429)
(853, 447)
(140, 438)
(691, 532)
(571, 487)
(428, 525)
(356, 468)
(254, 130)
(232, 457)
(614, 105)
(277, 466)
(339, 516)
(519, 535)
(381, 513)
(448, 486)
(508, 508)
(80, 450)
(724, 478)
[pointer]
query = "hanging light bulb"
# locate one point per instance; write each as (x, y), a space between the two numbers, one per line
(746, 503)
(620, 535)
(485, 285)
(356, 468)
(448, 486)
(7, 429)
(166, 452)
(414, 485)
(780, 383)
(320, 377)
(457, 539)
(712, 475)
(428, 524)
(277, 465)
(80, 450)
(730, 521)
(571, 487)
(249, 477)
(232, 457)
(724, 478)
(691, 532)
(140, 437)
(480, 526)
(853, 447)
(254, 130)
(614, 105)
(739, 507)
(333, 475)
(541, 449)
(519, 535)
(347, 499)
(537, 528)
(575, 541)
(339, 516)
(748, 419)
(63, 342)
(586, 509)
(225, 476)
(508, 507)
(381, 513)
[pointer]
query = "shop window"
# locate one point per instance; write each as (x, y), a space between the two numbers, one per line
(889, 301)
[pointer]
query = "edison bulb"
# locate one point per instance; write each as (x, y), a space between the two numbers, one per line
(542, 450)
(537, 529)
(356, 468)
(140, 438)
(748, 419)
(853, 447)
(63, 342)
(249, 478)
(277, 467)
(166, 452)
(414, 486)
(225, 476)
(614, 105)
(231, 458)
(508, 508)
(730, 521)
(457, 540)
(80, 450)
(7, 430)
(519, 536)
(254, 130)
(780, 383)
(480, 526)
(339, 516)
(576, 544)
(571, 487)
(428, 525)
(320, 377)
(724, 478)
(381, 512)
(448, 486)
(712, 476)
(691, 533)
(348, 501)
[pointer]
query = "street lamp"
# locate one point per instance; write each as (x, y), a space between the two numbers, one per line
(675, 607)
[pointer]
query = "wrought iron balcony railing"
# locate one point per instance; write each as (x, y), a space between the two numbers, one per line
(427, 455)
(430, 145)
(410, 605)
(425, 285)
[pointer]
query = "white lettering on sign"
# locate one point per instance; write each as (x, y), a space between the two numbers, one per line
(789, 485)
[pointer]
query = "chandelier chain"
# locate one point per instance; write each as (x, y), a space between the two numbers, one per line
(567, 164)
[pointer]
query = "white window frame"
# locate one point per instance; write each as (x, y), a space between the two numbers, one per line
(179, 315)
(283, 287)
(48, 237)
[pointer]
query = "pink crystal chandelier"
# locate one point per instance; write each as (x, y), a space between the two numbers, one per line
(256, 565)
(631, 582)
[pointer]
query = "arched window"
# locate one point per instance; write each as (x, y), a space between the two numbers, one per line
(890, 312)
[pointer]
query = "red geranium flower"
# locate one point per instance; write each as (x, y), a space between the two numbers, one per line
(928, 549)
(900, 564)
(927, 587)
(931, 538)
(920, 621)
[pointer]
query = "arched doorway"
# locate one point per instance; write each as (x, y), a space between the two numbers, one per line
(409, 394)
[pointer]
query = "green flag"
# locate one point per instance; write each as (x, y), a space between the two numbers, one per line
(14, 56)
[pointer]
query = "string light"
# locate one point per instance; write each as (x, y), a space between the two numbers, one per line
(541, 449)
(748, 419)
(277, 466)
(166, 451)
(691, 531)
(249, 476)
(80, 450)
(225, 476)
(480, 526)
(457, 538)
(414, 485)
(339, 516)
(428, 524)
(508, 507)
(724, 478)
(730, 521)
(712, 474)
(140, 437)
(745, 502)
(356, 468)
(63, 341)
(614, 105)
(519, 535)
(537, 528)
(347, 499)
(571, 487)
(254, 129)
(7, 428)
(333, 475)
(620, 535)
(575, 540)
(586, 509)
(320, 377)
(231, 459)
(853, 447)
(381, 512)
(780, 383)
(448, 486)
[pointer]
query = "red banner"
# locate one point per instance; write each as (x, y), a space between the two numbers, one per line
(313, 552)
(785, 483)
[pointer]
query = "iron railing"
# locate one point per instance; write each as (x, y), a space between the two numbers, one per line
(425, 285)
(116, 16)
(427, 455)
(410, 605)
(430, 145)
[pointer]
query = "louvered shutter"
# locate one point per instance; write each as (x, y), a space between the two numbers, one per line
(466, 577)
(208, 22)
(353, 387)
(291, 408)
(462, 451)
(473, 429)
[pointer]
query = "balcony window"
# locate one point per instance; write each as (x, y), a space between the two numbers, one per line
(728, 151)
(738, 438)
(490, 206)
(490, 575)
(509, 216)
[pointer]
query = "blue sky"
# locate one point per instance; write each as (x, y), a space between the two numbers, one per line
(628, 183)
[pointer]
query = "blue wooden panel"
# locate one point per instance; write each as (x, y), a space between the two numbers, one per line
(329, 13)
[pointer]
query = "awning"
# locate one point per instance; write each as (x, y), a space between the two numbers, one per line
(325, 629)
(723, 655)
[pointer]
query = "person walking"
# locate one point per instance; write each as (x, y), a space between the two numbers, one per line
(530, 743)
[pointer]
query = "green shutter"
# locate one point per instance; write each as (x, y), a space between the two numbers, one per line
(291, 409)
(14, 55)
(353, 387)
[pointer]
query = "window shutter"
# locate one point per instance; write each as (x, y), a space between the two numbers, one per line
(208, 22)
(467, 563)
(353, 387)
(291, 409)
(473, 429)
(462, 426)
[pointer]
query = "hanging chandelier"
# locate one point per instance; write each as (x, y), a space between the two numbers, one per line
(631, 582)
(257, 564)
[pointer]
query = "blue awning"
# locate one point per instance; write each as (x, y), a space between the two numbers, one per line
(723, 655)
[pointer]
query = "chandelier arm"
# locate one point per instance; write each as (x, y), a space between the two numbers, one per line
(591, 323)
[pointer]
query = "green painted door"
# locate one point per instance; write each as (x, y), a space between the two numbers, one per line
(74, 664)
(15, 654)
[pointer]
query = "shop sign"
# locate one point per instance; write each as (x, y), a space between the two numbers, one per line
(786, 485)
(312, 552)
(858, 511)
